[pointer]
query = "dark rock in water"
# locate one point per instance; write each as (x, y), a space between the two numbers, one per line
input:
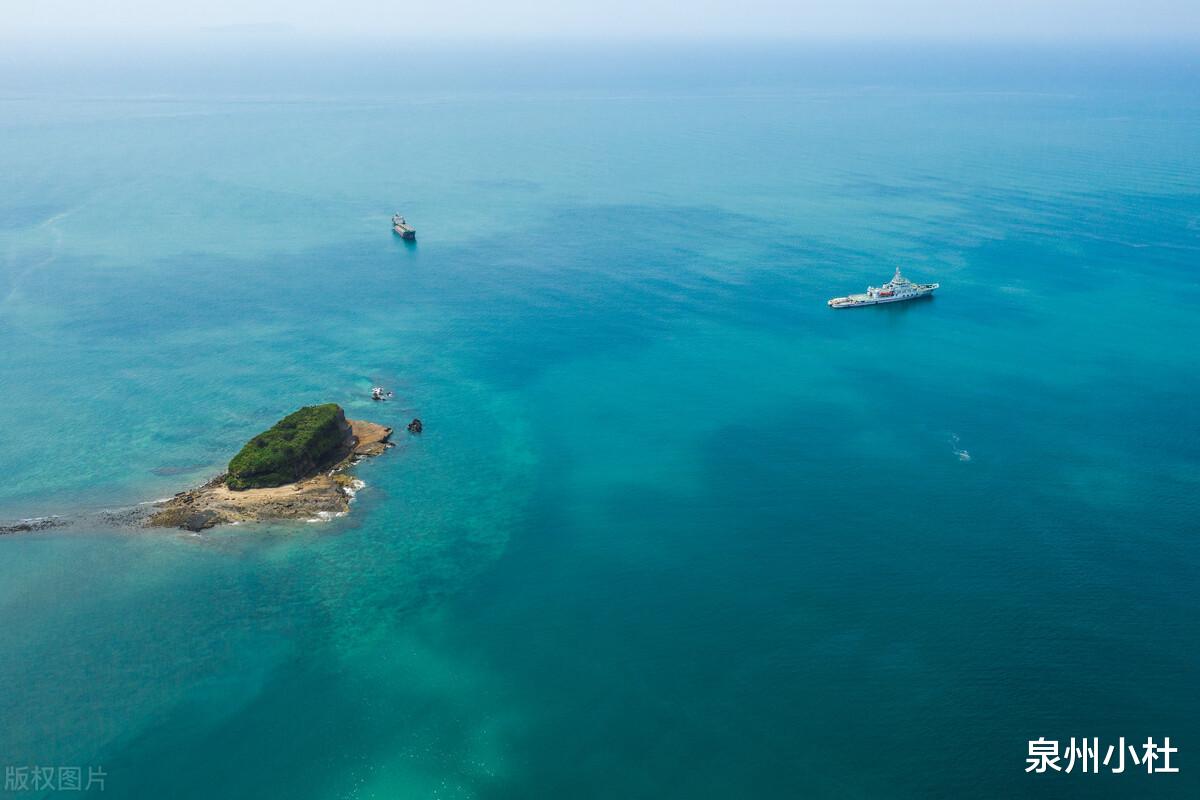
(199, 521)
(125, 517)
(415, 426)
(31, 525)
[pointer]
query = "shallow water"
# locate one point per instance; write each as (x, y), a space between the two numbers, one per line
(674, 528)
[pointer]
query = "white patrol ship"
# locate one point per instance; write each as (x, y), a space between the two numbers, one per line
(897, 289)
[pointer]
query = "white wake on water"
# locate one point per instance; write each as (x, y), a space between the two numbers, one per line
(962, 454)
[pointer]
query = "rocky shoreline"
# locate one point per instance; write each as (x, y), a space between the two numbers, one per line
(294, 471)
(318, 496)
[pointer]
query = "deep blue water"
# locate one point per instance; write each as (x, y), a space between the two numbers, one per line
(674, 528)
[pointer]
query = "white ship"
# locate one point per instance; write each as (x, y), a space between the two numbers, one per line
(897, 289)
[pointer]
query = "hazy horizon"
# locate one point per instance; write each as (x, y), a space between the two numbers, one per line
(57, 21)
(261, 47)
(231, 66)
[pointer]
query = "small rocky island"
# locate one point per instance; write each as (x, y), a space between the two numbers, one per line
(295, 470)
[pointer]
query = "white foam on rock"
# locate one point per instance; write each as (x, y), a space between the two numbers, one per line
(352, 489)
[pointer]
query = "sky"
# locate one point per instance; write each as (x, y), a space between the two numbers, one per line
(1073, 20)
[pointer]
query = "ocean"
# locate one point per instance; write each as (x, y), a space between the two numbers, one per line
(674, 528)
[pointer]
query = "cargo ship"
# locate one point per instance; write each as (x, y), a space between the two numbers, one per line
(401, 227)
(897, 289)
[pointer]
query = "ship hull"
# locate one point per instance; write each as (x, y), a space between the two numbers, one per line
(858, 301)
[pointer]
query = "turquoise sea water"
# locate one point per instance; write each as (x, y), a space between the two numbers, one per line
(674, 529)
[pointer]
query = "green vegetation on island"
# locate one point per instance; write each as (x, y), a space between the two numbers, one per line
(295, 447)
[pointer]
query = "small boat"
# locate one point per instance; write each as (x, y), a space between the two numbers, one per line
(401, 227)
(897, 289)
